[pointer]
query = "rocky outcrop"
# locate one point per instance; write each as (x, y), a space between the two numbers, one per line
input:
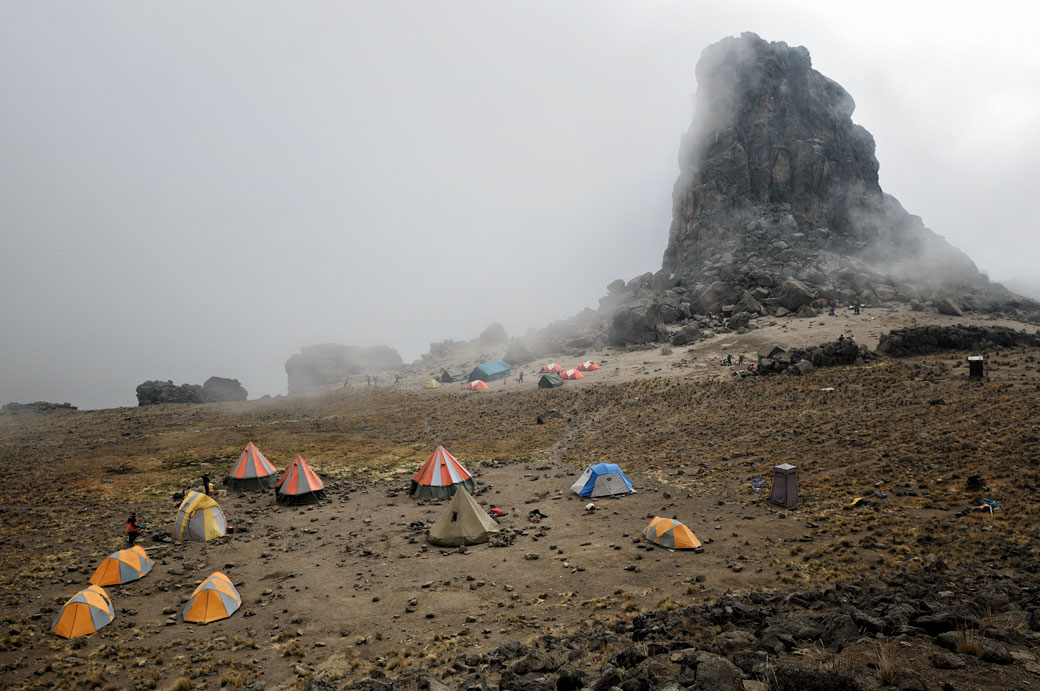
(778, 191)
(154, 392)
(806, 360)
(320, 366)
(930, 339)
(217, 389)
(33, 408)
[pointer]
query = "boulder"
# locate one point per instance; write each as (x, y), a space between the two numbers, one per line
(794, 294)
(686, 335)
(217, 389)
(949, 306)
(634, 323)
(154, 392)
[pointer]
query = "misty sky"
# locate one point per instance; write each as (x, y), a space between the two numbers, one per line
(199, 188)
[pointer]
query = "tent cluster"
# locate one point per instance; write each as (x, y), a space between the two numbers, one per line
(299, 484)
(553, 375)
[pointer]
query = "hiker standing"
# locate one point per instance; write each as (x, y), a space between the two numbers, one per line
(132, 530)
(205, 484)
(520, 379)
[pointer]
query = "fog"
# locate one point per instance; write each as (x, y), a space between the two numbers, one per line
(193, 189)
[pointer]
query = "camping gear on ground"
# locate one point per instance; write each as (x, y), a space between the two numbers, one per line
(122, 567)
(785, 486)
(431, 384)
(85, 612)
(452, 374)
(976, 367)
(215, 598)
(496, 512)
(440, 476)
(462, 522)
(590, 507)
(199, 518)
(536, 515)
(299, 484)
(757, 484)
(252, 471)
(602, 480)
(476, 385)
(550, 381)
(490, 371)
(551, 367)
(571, 374)
(670, 534)
(587, 366)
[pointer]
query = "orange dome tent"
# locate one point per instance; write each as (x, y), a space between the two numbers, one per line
(122, 567)
(85, 612)
(252, 471)
(440, 476)
(299, 484)
(571, 374)
(476, 385)
(551, 367)
(215, 598)
(670, 534)
(587, 366)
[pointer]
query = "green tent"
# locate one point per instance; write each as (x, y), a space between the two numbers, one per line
(550, 381)
(452, 374)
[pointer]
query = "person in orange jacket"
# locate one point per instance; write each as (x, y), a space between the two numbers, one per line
(132, 530)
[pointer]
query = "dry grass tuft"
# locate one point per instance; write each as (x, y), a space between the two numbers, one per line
(970, 643)
(886, 669)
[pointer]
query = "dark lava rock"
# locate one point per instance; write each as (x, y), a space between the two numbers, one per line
(221, 389)
(154, 392)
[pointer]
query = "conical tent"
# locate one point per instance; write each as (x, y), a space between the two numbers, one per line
(670, 534)
(299, 484)
(550, 381)
(431, 384)
(476, 385)
(551, 367)
(199, 518)
(252, 471)
(215, 598)
(602, 480)
(571, 374)
(587, 366)
(462, 522)
(440, 476)
(85, 612)
(122, 567)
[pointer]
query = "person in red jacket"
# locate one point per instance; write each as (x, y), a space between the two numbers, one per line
(132, 530)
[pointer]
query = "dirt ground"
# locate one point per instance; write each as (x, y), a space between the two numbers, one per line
(348, 588)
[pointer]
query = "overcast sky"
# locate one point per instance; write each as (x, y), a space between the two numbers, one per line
(199, 188)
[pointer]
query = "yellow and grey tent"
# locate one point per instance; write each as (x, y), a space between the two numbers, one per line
(122, 567)
(85, 612)
(671, 534)
(215, 598)
(199, 518)
(462, 522)
(431, 384)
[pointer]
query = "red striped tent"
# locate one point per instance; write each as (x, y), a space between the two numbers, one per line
(587, 366)
(299, 484)
(551, 367)
(252, 471)
(571, 374)
(440, 476)
(476, 385)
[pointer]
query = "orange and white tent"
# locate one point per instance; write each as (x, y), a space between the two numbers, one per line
(252, 471)
(476, 385)
(85, 612)
(551, 367)
(215, 598)
(122, 567)
(440, 477)
(299, 484)
(571, 374)
(587, 366)
(670, 534)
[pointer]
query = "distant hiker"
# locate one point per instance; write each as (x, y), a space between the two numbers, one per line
(855, 308)
(535, 515)
(841, 338)
(207, 489)
(368, 379)
(834, 306)
(397, 379)
(729, 359)
(132, 530)
(740, 360)
(520, 379)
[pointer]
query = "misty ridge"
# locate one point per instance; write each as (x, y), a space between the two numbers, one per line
(777, 206)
